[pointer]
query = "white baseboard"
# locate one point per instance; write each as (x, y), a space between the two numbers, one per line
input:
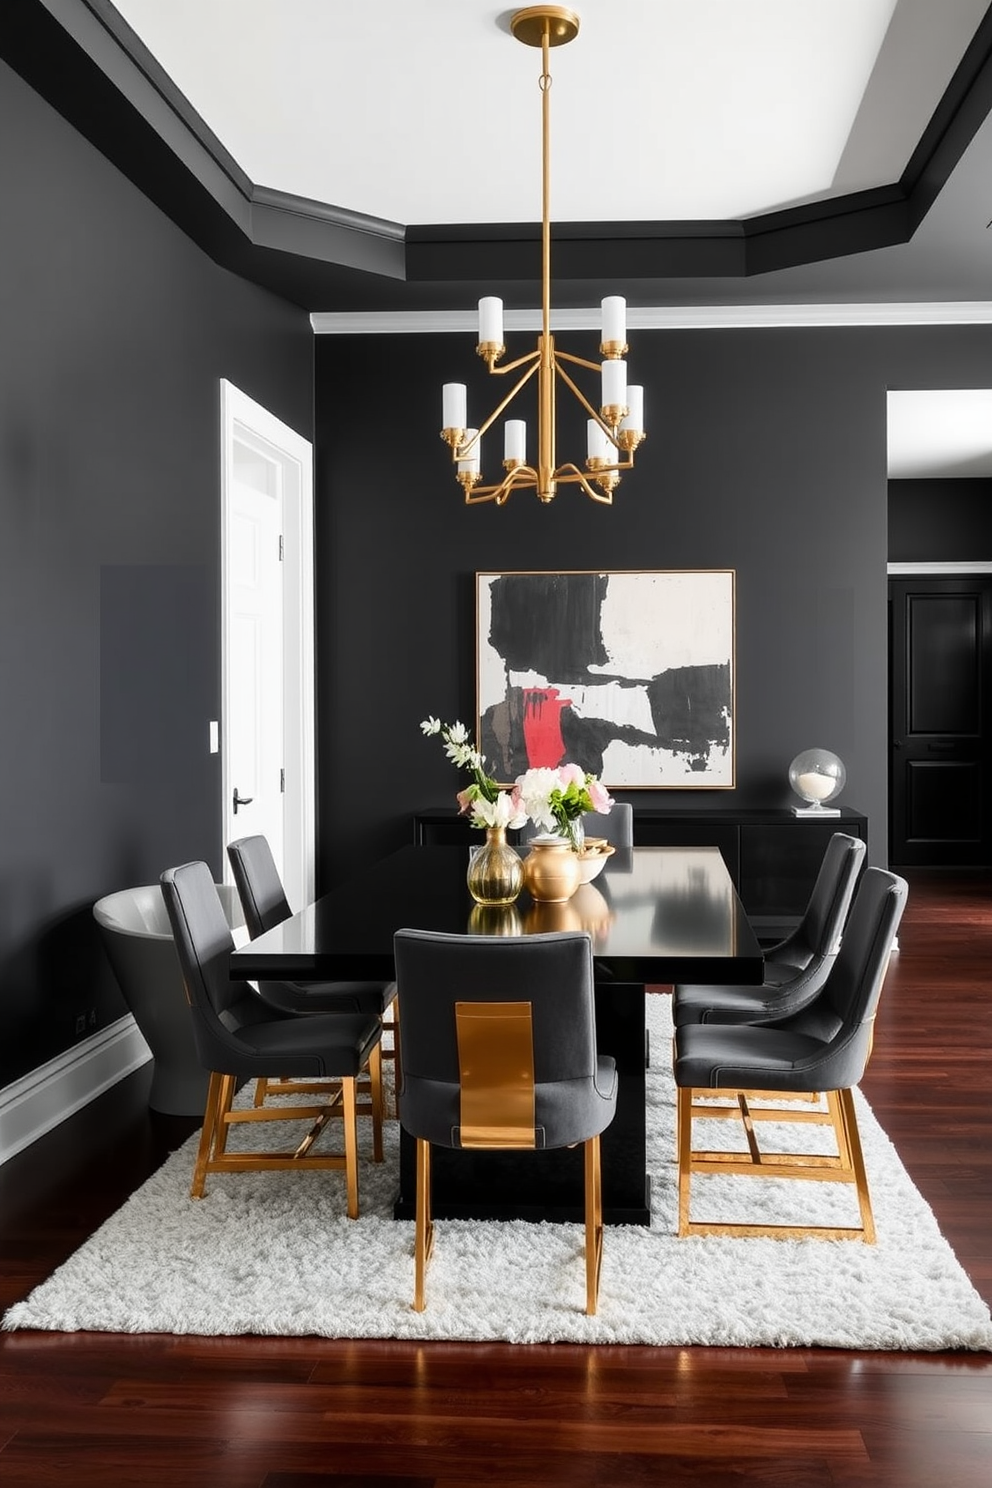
(39, 1101)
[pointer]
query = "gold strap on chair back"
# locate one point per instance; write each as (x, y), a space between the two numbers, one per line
(496, 1071)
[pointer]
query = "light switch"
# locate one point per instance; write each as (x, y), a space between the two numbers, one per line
(214, 736)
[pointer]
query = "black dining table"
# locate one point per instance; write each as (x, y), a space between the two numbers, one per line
(656, 915)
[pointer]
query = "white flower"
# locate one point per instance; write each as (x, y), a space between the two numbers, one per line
(498, 813)
(462, 754)
(534, 791)
(431, 725)
(458, 733)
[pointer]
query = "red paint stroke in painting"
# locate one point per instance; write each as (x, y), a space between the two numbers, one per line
(543, 743)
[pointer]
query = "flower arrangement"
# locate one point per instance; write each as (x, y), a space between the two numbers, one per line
(557, 799)
(482, 801)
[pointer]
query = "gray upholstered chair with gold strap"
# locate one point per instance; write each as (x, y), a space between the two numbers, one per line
(797, 967)
(238, 1036)
(499, 1051)
(823, 1047)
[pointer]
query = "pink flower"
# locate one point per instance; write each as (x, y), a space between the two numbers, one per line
(599, 796)
(570, 773)
(465, 799)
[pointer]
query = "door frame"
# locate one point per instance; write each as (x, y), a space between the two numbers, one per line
(245, 421)
(919, 569)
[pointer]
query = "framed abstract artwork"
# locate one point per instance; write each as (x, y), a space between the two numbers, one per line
(628, 674)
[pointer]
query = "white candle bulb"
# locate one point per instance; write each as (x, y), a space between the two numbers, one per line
(472, 460)
(614, 384)
(614, 309)
(515, 440)
(453, 406)
(491, 320)
(598, 446)
(635, 408)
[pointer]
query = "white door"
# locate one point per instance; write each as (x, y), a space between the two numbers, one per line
(267, 726)
(255, 645)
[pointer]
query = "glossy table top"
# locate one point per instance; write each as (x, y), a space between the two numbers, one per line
(656, 914)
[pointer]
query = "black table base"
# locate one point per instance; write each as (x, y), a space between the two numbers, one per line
(539, 1185)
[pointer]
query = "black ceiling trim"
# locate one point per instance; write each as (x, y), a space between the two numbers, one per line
(955, 122)
(128, 44)
(103, 80)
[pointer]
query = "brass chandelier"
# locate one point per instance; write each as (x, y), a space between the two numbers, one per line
(615, 428)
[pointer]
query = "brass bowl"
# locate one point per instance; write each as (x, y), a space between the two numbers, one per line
(592, 861)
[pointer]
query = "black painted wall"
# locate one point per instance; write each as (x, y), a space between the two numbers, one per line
(940, 521)
(116, 331)
(766, 454)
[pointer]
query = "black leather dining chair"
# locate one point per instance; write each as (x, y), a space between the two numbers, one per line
(824, 1046)
(796, 967)
(499, 1052)
(264, 902)
(239, 1036)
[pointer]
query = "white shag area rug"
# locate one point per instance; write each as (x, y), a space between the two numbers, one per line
(274, 1253)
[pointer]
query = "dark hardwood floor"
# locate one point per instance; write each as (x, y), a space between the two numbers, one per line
(95, 1409)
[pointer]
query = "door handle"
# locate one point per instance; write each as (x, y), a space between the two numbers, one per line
(241, 800)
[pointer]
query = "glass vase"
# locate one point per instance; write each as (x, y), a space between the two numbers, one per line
(495, 872)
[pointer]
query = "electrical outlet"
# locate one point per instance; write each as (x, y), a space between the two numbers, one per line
(80, 1023)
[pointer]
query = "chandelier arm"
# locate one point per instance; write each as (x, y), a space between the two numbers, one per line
(593, 412)
(520, 476)
(579, 361)
(460, 452)
(577, 478)
(532, 356)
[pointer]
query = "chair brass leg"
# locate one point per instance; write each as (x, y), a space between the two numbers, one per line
(752, 1141)
(375, 1077)
(206, 1136)
(350, 1143)
(423, 1242)
(853, 1142)
(228, 1090)
(594, 1223)
(684, 1116)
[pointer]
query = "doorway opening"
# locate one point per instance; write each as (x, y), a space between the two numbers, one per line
(267, 663)
(940, 627)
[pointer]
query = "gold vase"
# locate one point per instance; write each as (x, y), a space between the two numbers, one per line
(551, 871)
(495, 872)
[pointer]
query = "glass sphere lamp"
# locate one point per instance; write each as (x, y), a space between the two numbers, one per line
(817, 776)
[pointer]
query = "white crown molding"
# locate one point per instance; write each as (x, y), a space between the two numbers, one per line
(949, 570)
(661, 318)
(39, 1101)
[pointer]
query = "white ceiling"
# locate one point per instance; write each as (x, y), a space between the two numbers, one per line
(940, 433)
(428, 111)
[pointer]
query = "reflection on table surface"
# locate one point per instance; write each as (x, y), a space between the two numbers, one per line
(682, 898)
(586, 910)
(655, 914)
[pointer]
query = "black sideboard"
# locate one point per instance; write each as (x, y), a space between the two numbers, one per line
(773, 855)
